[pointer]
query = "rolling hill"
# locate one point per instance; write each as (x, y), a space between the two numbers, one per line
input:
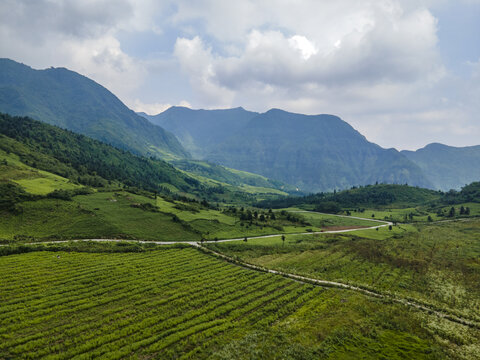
(69, 100)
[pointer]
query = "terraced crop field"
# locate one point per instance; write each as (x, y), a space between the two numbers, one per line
(180, 303)
(159, 303)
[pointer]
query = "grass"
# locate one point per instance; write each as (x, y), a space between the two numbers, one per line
(180, 303)
(123, 215)
(328, 221)
(420, 213)
(437, 263)
(32, 180)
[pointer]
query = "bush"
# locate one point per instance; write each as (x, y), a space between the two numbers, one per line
(330, 207)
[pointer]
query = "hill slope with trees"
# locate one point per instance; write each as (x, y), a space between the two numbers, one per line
(84, 160)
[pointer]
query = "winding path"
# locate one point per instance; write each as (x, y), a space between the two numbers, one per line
(325, 283)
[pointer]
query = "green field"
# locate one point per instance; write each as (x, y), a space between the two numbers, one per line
(326, 221)
(437, 264)
(120, 214)
(417, 214)
(32, 180)
(181, 303)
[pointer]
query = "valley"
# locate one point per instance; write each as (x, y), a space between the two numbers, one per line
(225, 234)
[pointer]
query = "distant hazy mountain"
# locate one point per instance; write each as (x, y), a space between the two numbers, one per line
(315, 153)
(448, 167)
(201, 130)
(67, 99)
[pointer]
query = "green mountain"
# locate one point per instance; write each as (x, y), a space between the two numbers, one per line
(73, 159)
(447, 167)
(314, 153)
(67, 99)
(200, 130)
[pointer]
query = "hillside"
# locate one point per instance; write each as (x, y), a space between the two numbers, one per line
(447, 167)
(200, 130)
(380, 195)
(84, 160)
(314, 153)
(230, 176)
(67, 99)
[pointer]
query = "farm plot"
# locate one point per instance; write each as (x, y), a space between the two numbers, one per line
(180, 303)
(159, 303)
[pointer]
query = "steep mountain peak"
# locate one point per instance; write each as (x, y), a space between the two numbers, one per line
(70, 100)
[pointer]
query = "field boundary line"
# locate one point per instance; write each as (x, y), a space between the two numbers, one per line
(340, 285)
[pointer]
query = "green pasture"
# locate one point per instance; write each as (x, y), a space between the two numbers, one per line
(326, 220)
(32, 180)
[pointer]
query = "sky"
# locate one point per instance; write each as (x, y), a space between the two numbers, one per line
(403, 73)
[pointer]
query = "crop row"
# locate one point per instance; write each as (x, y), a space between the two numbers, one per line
(118, 305)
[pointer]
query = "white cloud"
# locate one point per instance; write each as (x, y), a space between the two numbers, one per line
(198, 62)
(156, 108)
(374, 63)
(72, 34)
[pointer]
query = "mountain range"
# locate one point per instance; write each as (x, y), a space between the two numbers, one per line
(447, 167)
(200, 130)
(74, 102)
(311, 152)
(314, 153)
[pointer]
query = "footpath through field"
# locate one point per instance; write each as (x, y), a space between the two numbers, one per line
(325, 283)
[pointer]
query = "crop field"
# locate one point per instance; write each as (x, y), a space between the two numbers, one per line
(182, 303)
(437, 264)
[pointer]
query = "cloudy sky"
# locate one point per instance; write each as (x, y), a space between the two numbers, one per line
(404, 73)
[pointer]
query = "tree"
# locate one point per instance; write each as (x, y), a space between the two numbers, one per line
(451, 213)
(390, 227)
(283, 240)
(462, 210)
(429, 218)
(245, 239)
(467, 211)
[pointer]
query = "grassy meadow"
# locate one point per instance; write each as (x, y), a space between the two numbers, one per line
(125, 215)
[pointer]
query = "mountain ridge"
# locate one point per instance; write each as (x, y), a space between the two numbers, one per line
(198, 129)
(447, 167)
(53, 96)
(314, 152)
